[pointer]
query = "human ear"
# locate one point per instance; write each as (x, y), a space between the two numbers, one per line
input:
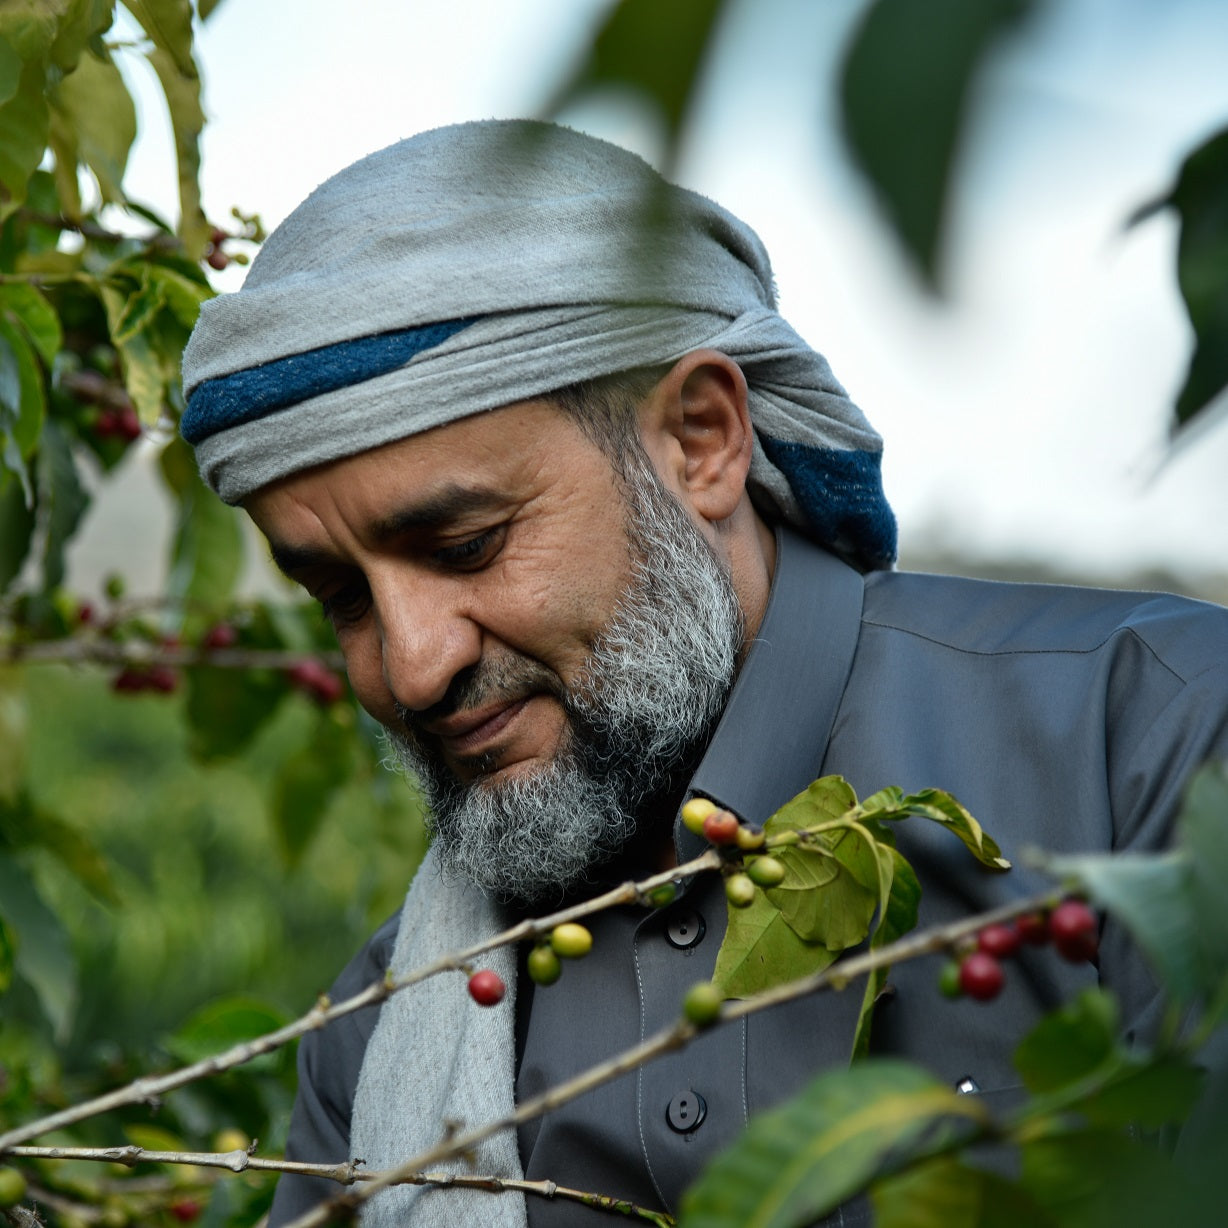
(695, 426)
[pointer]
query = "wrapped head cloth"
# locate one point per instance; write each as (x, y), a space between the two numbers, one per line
(486, 263)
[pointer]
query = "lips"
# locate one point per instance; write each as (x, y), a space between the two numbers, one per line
(465, 734)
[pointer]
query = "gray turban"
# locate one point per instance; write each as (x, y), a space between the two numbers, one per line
(486, 263)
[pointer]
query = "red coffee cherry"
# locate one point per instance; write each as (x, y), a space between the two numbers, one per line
(1032, 928)
(486, 988)
(981, 976)
(1000, 941)
(1074, 930)
(222, 635)
(721, 827)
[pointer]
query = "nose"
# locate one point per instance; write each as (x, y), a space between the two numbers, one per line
(426, 639)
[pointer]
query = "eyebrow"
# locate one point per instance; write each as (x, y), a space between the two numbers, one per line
(441, 508)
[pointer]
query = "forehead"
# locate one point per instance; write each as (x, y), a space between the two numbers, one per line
(516, 452)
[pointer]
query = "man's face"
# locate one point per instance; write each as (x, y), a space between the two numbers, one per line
(544, 645)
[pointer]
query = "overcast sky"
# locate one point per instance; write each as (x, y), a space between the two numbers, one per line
(1027, 415)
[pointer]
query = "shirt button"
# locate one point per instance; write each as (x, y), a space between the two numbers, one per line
(684, 930)
(686, 1110)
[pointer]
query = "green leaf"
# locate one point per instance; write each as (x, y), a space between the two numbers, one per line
(306, 784)
(30, 308)
(25, 120)
(941, 807)
(799, 1161)
(227, 707)
(1070, 1044)
(1151, 896)
(144, 371)
(1149, 1092)
(904, 88)
(63, 499)
(14, 720)
(1203, 834)
(224, 1024)
(24, 824)
(829, 895)
(898, 918)
(829, 797)
(10, 70)
(17, 520)
(760, 951)
(95, 105)
(43, 960)
(8, 955)
(945, 1193)
(655, 50)
(207, 550)
(1200, 197)
(22, 406)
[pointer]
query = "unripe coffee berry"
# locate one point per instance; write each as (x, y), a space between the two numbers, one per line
(981, 976)
(766, 872)
(12, 1187)
(721, 827)
(570, 940)
(486, 988)
(702, 1004)
(1000, 941)
(694, 813)
(750, 838)
(948, 980)
(544, 965)
(739, 890)
(1073, 928)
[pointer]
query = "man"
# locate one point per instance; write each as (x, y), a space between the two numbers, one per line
(597, 532)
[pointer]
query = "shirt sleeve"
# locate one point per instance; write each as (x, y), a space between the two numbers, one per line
(328, 1064)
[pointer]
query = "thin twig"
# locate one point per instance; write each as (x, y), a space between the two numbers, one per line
(344, 1174)
(151, 1088)
(95, 650)
(674, 1037)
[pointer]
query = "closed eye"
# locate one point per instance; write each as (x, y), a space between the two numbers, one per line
(346, 605)
(472, 553)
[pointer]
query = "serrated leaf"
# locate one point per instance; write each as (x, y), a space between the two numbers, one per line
(903, 89)
(306, 784)
(1070, 1043)
(898, 918)
(1151, 896)
(795, 1163)
(63, 499)
(44, 958)
(96, 106)
(38, 319)
(760, 951)
(941, 807)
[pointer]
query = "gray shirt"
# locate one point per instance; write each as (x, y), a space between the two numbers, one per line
(1063, 718)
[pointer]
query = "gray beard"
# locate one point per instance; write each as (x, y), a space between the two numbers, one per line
(644, 706)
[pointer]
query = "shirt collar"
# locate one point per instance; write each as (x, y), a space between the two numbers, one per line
(770, 742)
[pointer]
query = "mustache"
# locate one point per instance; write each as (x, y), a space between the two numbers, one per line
(502, 678)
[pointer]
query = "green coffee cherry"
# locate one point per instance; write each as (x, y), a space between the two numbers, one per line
(702, 1004)
(750, 838)
(766, 872)
(739, 891)
(570, 940)
(544, 965)
(660, 896)
(12, 1187)
(694, 813)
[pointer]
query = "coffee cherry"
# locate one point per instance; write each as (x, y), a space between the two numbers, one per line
(948, 980)
(221, 635)
(317, 680)
(185, 1210)
(128, 425)
(1073, 928)
(739, 890)
(694, 813)
(85, 613)
(570, 940)
(544, 965)
(161, 678)
(486, 988)
(217, 259)
(1000, 941)
(702, 1004)
(1033, 928)
(129, 681)
(750, 838)
(660, 896)
(766, 872)
(12, 1187)
(720, 827)
(981, 976)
